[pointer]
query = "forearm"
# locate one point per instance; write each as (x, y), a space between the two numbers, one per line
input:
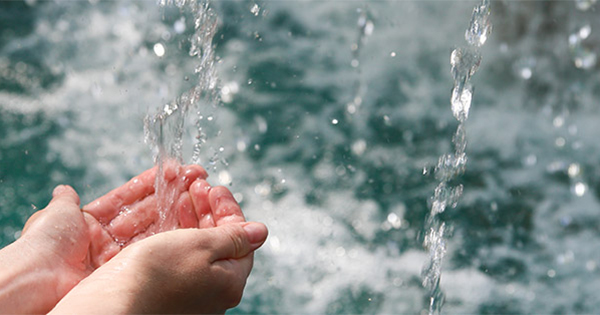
(23, 282)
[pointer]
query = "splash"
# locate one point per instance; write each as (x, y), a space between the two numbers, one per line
(464, 61)
(164, 130)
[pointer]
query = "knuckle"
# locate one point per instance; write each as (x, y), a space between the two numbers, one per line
(237, 241)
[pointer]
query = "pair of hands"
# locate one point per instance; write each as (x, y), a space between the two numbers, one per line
(195, 257)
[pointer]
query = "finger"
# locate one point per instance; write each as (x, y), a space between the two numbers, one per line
(65, 193)
(107, 207)
(193, 172)
(236, 240)
(185, 208)
(103, 247)
(134, 220)
(225, 208)
(199, 194)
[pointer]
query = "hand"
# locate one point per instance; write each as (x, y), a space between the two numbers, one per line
(134, 211)
(61, 245)
(184, 271)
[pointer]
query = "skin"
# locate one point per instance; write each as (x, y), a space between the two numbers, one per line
(62, 245)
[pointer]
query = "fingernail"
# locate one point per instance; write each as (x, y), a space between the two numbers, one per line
(257, 232)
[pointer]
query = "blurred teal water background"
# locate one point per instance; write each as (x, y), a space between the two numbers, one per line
(329, 135)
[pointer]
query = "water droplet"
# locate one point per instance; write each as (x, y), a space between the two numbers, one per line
(224, 178)
(461, 102)
(394, 220)
(582, 53)
(530, 160)
(393, 54)
(573, 170)
(359, 147)
(579, 189)
(241, 145)
(255, 9)
(159, 49)
(179, 25)
(465, 62)
(480, 26)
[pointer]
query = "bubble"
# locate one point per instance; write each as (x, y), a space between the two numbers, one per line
(393, 54)
(551, 273)
(334, 121)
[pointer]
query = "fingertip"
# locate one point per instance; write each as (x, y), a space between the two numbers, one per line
(256, 232)
(65, 191)
(224, 207)
(199, 194)
(194, 171)
(200, 187)
(171, 168)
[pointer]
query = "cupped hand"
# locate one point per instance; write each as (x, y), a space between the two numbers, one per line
(202, 269)
(135, 210)
(65, 244)
(182, 271)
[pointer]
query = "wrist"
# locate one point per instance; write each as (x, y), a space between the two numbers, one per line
(27, 285)
(114, 282)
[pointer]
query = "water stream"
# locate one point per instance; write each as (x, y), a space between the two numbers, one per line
(465, 62)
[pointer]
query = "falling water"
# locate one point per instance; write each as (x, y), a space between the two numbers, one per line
(164, 131)
(365, 28)
(465, 61)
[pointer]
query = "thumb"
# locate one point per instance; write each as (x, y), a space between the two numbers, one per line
(65, 193)
(237, 240)
(62, 195)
